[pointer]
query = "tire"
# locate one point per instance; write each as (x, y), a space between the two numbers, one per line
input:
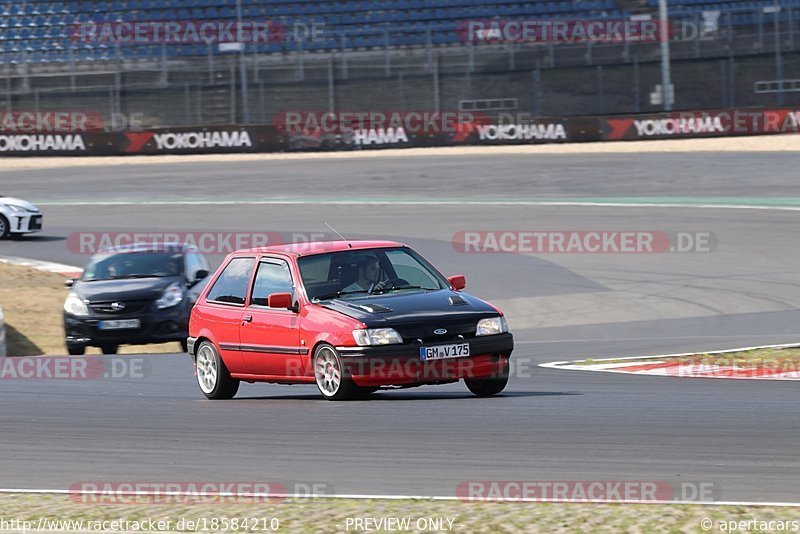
(5, 227)
(185, 345)
(212, 376)
(109, 349)
(487, 387)
(366, 391)
(329, 372)
(76, 350)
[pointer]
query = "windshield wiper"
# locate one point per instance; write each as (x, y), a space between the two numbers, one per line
(380, 292)
(339, 294)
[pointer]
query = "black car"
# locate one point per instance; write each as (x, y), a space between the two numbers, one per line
(135, 295)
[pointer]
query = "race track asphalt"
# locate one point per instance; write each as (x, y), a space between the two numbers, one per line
(548, 425)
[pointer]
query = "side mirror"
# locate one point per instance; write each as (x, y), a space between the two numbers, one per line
(281, 301)
(69, 283)
(200, 275)
(458, 282)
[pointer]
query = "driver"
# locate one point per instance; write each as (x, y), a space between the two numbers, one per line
(369, 271)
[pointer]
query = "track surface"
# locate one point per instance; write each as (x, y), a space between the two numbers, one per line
(550, 425)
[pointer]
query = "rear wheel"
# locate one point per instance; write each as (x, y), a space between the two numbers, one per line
(329, 372)
(212, 376)
(486, 387)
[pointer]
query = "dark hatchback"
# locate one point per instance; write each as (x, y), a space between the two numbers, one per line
(134, 295)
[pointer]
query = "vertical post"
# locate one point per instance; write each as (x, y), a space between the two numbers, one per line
(164, 74)
(233, 93)
(242, 68)
(732, 80)
(512, 60)
(589, 52)
(256, 64)
(471, 56)
(537, 92)
(71, 61)
(301, 72)
(723, 83)
(637, 98)
(187, 98)
(344, 55)
(402, 90)
(387, 60)
(210, 63)
(778, 58)
(262, 103)
(436, 102)
(663, 29)
(551, 54)
(8, 92)
(36, 100)
(468, 83)
(429, 46)
(331, 86)
(111, 102)
(601, 99)
(199, 104)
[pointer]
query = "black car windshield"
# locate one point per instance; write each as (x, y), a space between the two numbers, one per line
(115, 266)
(359, 273)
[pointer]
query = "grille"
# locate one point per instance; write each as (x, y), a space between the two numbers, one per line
(135, 306)
(426, 333)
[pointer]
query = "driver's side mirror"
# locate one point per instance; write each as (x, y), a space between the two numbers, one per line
(69, 283)
(281, 301)
(458, 282)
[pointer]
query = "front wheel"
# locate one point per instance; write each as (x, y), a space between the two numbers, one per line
(5, 229)
(212, 376)
(332, 380)
(486, 387)
(75, 349)
(109, 349)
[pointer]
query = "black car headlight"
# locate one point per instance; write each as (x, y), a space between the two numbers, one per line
(377, 336)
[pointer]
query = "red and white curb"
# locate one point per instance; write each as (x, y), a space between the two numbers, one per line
(672, 366)
(46, 266)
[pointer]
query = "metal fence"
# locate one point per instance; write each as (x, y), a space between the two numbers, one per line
(713, 66)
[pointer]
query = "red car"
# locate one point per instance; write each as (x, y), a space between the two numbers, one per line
(350, 317)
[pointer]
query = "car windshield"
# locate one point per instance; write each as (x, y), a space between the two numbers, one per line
(359, 273)
(117, 266)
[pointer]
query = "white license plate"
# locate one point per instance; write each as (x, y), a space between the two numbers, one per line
(442, 352)
(119, 324)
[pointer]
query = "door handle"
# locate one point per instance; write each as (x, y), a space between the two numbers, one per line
(247, 319)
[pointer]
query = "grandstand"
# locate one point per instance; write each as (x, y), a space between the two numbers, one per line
(44, 31)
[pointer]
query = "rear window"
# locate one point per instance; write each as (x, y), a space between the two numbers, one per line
(231, 286)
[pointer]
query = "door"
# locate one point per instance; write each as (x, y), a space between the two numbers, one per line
(223, 310)
(269, 337)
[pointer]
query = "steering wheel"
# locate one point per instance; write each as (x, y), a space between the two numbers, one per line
(390, 284)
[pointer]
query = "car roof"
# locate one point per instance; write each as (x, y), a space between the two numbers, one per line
(319, 247)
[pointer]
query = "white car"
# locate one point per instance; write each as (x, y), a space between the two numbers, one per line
(18, 217)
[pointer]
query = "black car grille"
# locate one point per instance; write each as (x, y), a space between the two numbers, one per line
(426, 333)
(36, 223)
(130, 307)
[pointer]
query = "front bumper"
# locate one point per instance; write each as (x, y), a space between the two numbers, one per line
(401, 364)
(161, 326)
(24, 223)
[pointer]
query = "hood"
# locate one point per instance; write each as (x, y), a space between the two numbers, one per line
(18, 202)
(124, 290)
(412, 307)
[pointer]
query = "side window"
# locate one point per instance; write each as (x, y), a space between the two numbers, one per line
(272, 277)
(231, 286)
(195, 262)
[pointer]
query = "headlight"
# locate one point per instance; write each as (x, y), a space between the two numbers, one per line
(377, 336)
(492, 326)
(172, 296)
(14, 208)
(75, 306)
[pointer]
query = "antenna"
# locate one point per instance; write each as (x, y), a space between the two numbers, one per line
(340, 235)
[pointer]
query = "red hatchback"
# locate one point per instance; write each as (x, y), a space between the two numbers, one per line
(350, 317)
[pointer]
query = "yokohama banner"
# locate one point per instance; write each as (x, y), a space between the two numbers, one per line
(505, 129)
